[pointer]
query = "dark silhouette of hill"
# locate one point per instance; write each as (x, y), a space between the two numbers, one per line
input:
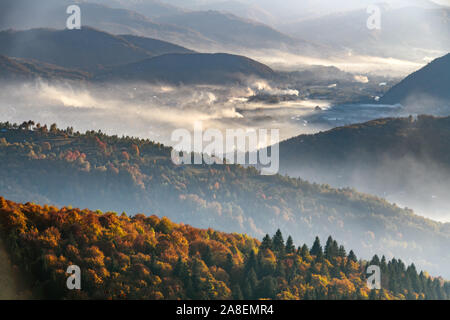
(85, 49)
(155, 47)
(20, 69)
(125, 57)
(406, 160)
(432, 82)
(190, 68)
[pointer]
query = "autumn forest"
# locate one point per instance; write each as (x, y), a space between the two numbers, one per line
(145, 257)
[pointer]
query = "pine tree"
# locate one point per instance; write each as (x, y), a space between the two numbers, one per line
(383, 265)
(320, 256)
(342, 253)
(280, 271)
(304, 251)
(329, 248)
(324, 271)
(247, 291)
(316, 248)
(251, 262)
(207, 257)
(229, 263)
(375, 261)
(267, 288)
(253, 282)
(237, 293)
(334, 249)
(290, 248)
(278, 242)
(266, 243)
(352, 256)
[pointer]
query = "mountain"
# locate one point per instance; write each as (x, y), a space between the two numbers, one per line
(405, 160)
(412, 33)
(199, 68)
(143, 257)
(432, 83)
(93, 170)
(199, 30)
(125, 57)
(122, 21)
(238, 8)
(148, 8)
(155, 47)
(12, 69)
(86, 49)
(231, 31)
(28, 14)
(288, 11)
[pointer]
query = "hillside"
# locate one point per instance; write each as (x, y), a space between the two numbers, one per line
(406, 160)
(12, 69)
(149, 8)
(214, 31)
(411, 33)
(10, 278)
(85, 49)
(155, 47)
(145, 257)
(125, 57)
(244, 10)
(431, 83)
(230, 30)
(199, 68)
(93, 170)
(28, 14)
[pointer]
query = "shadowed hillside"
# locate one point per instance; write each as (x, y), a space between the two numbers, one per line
(190, 68)
(85, 49)
(9, 278)
(13, 69)
(431, 83)
(47, 165)
(406, 160)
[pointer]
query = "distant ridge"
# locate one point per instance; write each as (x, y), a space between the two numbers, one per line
(85, 49)
(432, 81)
(22, 69)
(155, 47)
(190, 68)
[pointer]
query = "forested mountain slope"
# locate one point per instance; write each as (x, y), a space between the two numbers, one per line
(11, 286)
(145, 257)
(47, 165)
(13, 69)
(404, 159)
